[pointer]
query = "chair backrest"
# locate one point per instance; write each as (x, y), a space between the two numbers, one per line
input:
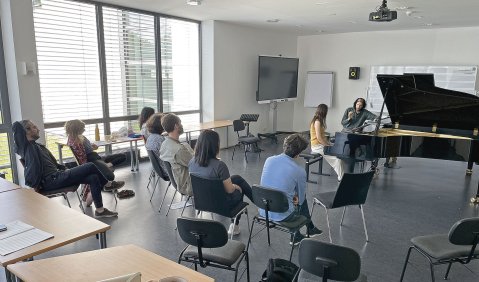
(343, 264)
(464, 231)
(353, 189)
(270, 199)
(169, 171)
(209, 195)
(156, 163)
(204, 232)
(75, 156)
(238, 125)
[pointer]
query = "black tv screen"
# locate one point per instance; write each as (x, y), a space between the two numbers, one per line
(277, 79)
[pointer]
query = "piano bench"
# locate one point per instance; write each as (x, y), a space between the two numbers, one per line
(312, 158)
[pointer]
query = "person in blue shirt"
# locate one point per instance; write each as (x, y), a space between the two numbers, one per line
(282, 173)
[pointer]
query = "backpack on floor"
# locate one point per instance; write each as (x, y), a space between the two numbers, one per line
(279, 270)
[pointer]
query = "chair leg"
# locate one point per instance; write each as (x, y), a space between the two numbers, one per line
(234, 148)
(431, 267)
(79, 200)
(447, 271)
(405, 263)
(152, 175)
(292, 245)
(169, 207)
(364, 222)
(247, 219)
(250, 233)
(247, 264)
(154, 188)
(329, 228)
(164, 196)
(267, 232)
(66, 198)
(187, 199)
(342, 217)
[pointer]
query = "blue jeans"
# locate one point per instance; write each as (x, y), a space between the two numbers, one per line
(84, 174)
(236, 197)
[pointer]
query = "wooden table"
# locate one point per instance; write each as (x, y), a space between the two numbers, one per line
(6, 185)
(103, 264)
(66, 225)
(188, 128)
(134, 158)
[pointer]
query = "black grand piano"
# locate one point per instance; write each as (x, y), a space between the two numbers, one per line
(427, 122)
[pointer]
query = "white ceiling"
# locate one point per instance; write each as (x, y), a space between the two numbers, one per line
(307, 17)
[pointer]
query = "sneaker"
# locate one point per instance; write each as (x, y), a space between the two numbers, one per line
(297, 239)
(314, 232)
(233, 229)
(106, 213)
(114, 185)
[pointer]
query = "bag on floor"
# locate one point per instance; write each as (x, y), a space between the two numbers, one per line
(279, 270)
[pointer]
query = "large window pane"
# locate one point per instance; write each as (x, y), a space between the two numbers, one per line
(130, 61)
(180, 65)
(5, 166)
(68, 64)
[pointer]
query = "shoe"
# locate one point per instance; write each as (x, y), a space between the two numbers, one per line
(297, 239)
(233, 229)
(114, 185)
(314, 232)
(89, 200)
(105, 213)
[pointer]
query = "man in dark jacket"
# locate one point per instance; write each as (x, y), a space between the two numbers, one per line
(42, 172)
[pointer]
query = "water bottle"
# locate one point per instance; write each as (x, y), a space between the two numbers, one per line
(97, 133)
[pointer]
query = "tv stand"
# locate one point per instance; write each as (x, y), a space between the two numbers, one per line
(273, 116)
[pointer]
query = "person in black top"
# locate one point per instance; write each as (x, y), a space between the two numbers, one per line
(43, 173)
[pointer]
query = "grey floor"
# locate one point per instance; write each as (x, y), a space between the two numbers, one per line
(421, 197)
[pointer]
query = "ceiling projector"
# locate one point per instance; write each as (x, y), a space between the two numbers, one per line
(383, 14)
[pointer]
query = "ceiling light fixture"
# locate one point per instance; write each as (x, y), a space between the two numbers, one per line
(272, 20)
(193, 2)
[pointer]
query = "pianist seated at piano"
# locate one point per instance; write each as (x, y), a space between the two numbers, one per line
(355, 116)
(319, 140)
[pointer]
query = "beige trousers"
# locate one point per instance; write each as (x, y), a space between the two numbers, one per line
(337, 164)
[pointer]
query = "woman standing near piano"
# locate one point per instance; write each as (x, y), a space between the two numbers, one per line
(318, 139)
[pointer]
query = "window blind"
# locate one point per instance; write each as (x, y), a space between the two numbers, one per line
(130, 61)
(180, 65)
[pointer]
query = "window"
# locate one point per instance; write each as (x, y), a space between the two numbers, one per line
(130, 61)
(68, 64)
(180, 65)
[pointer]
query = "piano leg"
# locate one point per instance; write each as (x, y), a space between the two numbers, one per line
(469, 167)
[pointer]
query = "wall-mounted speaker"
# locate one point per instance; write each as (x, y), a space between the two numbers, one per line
(354, 72)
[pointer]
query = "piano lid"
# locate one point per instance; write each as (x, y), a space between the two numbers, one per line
(414, 101)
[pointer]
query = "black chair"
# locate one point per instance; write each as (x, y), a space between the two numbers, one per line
(169, 171)
(352, 190)
(158, 170)
(250, 143)
(459, 245)
(271, 200)
(61, 192)
(210, 196)
(208, 245)
(328, 261)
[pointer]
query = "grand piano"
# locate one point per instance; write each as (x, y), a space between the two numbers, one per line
(427, 122)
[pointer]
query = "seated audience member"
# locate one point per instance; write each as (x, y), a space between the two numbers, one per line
(356, 115)
(176, 153)
(206, 164)
(145, 114)
(319, 141)
(42, 172)
(282, 173)
(84, 151)
(156, 138)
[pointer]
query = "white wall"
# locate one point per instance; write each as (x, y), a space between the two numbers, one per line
(234, 80)
(454, 46)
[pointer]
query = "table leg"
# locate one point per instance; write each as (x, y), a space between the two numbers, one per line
(137, 154)
(60, 146)
(102, 240)
(132, 157)
(9, 276)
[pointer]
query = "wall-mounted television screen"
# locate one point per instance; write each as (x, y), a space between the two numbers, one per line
(277, 79)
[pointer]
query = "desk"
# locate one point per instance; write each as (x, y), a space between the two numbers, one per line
(188, 128)
(66, 225)
(6, 186)
(134, 158)
(103, 264)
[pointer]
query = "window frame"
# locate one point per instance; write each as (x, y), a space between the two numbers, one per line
(107, 119)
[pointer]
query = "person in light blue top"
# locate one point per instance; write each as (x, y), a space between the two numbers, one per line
(282, 173)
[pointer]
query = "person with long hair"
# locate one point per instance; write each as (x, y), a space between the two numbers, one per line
(207, 164)
(84, 151)
(145, 114)
(319, 141)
